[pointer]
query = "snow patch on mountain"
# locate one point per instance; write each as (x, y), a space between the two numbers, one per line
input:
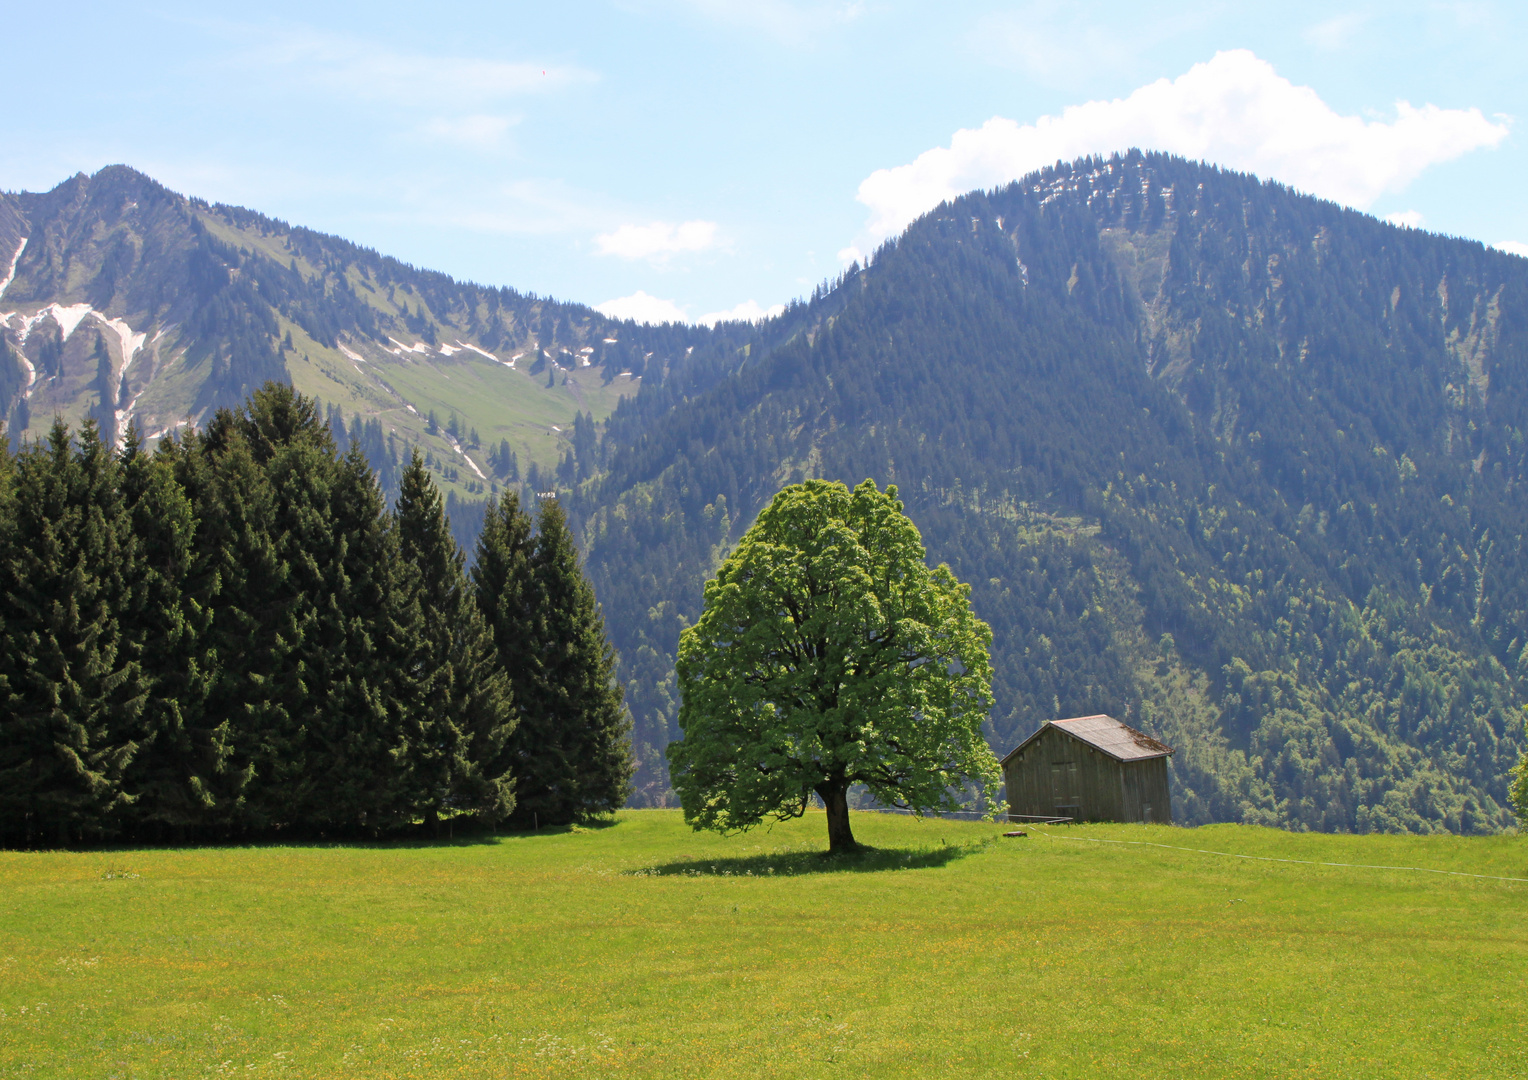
(123, 413)
(480, 352)
(67, 318)
(354, 357)
(465, 456)
(131, 342)
(10, 273)
(418, 347)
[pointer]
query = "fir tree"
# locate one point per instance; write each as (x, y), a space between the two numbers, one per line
(177, 775)
(254, 634)
(331, 738)
(581, 697)
(570, 753)
(74, 694)
(456, 691)
(504, 584)
(356, 744)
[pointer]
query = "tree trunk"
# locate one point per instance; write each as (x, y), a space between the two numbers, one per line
(835, 797)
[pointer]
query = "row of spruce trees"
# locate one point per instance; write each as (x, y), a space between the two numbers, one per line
(232, 636)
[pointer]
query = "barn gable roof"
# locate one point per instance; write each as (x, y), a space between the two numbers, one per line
(1120, 741)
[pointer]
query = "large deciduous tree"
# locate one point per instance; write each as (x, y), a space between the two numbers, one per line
(828, 654)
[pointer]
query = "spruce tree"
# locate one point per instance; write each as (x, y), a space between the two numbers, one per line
(330, 744)
(356, 743)
(177, 775)
(254, 634)
(581, 695)
(505, 588)
(454, 687)
(74, 693)
(570, 753)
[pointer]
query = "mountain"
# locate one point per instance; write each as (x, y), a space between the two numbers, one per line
(1233, 464)
(1238, 466)
(124, 301)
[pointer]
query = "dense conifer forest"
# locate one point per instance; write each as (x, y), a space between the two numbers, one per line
(232, 635)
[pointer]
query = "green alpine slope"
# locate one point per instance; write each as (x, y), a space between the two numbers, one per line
(130, 303)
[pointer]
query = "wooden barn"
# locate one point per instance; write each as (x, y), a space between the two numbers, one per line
(1089, 768)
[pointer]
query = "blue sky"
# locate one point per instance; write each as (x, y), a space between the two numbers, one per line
(693, 157)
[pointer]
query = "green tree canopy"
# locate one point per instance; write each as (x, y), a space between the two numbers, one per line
(828, 654)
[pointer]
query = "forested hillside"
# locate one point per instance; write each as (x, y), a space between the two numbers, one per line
(1231, 463)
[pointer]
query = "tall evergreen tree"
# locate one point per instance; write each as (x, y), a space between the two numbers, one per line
(74, 694)
(177, 774)
(356, 744)
(328, 745)
(505, 588)
(254, 633)
(570, 753)
(454, 686)
(581, 696)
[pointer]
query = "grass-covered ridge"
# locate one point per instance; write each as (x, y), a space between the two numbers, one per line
(644, 949)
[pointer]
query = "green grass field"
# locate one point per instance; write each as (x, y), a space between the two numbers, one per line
(642, 949)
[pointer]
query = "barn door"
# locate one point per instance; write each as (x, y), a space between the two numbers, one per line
(1064, 794)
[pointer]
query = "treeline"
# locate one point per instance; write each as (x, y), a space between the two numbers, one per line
(233, 636)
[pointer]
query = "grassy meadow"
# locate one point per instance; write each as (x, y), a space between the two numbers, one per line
(643, 949)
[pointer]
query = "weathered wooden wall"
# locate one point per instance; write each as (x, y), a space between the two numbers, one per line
(1063, 776)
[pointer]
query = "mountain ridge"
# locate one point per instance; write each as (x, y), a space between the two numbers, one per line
(1274, 495)
(189, 305)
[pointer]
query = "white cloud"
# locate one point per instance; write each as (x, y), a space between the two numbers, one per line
(1412, 219)
(747, 311)
(479, 132)
(658, 240)
(1233, 110)
(1334, 33)
(642, 308)
(1512, 247)
(850, 254)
